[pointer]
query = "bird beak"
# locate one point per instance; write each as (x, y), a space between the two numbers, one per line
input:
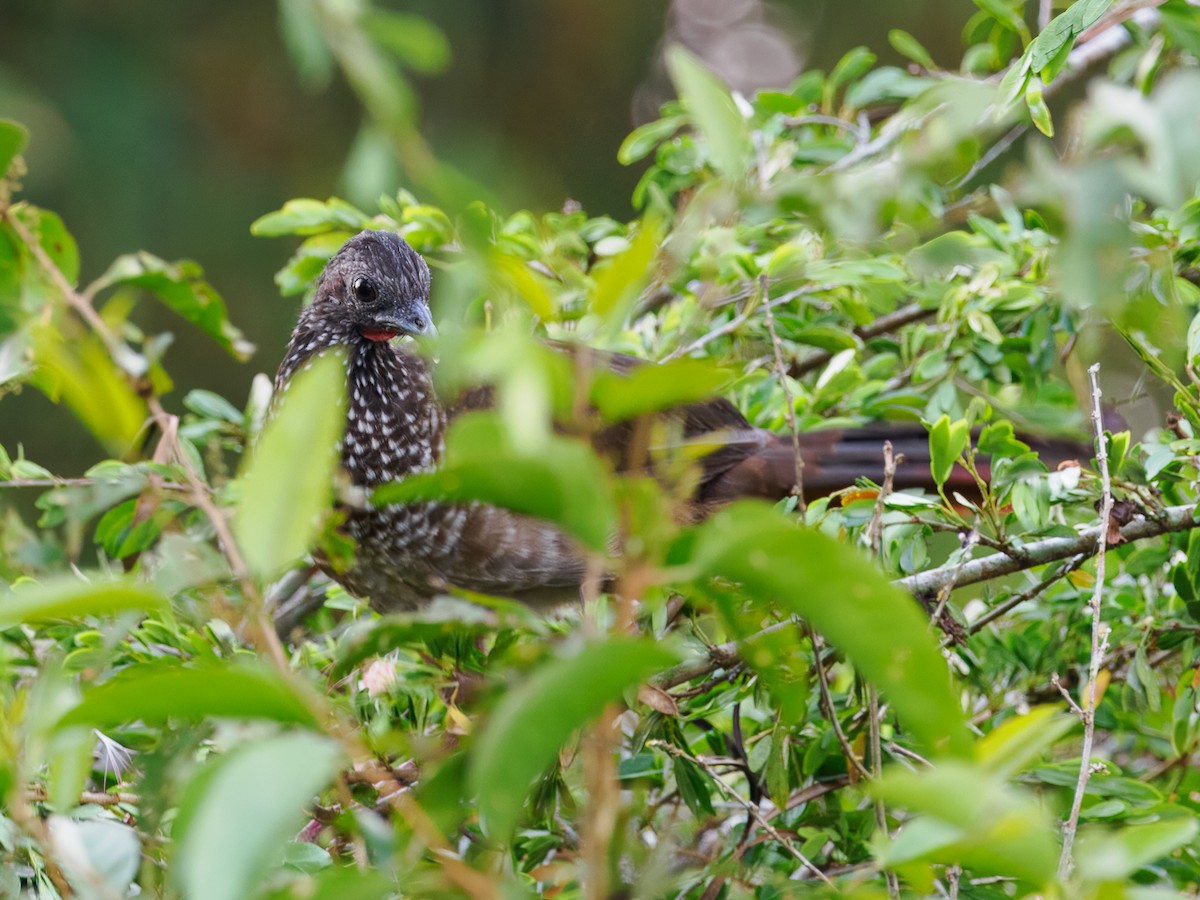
(415, 321)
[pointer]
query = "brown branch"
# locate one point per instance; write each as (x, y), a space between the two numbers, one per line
(1036, 553)
(885, 324)
(37, 794)
(926, 585)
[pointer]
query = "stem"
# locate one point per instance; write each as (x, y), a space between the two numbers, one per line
(789, 409)
(1099, 640)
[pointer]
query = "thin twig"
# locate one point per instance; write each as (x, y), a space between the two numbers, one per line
(1099, 641)
(943, 596)
(751, 808)
(830, 711)
(789, 410)
(1017, 599)
(875, 533)
(265, 636)
(905, 315)
(75, 300)
(741, 318)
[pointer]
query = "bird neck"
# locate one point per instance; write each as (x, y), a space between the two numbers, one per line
(394, 423)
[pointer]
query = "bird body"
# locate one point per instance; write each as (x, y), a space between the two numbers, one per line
(377, 287)
(395, 426)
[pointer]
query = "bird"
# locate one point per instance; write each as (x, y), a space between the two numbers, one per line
(375, 289)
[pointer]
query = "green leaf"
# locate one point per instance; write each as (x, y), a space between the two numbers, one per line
(534, 719)
(69, 598)
(1002, 830)
(305, 41)
(83, 375)
(236, 816)
(182, 289)
(854, 64)
(1061, 32)
(947, 440)
(54, 238)
(305, 216)
(13, 139)
(104, 855)
(1116, 855)
(212, 406)
(338, 883)
(414, 40)
(155, 693)
(908, 46)
(562, 482)
(1009, 748)
(643, 139)
(712, 109)
(845, 598)
(998, 439)
(1004, 13)
(621, 279)
(288, 481)
(1039, 112)
(650, 388)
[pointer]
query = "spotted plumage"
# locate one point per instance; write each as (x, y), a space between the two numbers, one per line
(377, 288)
(406, 553)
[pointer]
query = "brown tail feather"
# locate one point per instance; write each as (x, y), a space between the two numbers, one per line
(836, 458)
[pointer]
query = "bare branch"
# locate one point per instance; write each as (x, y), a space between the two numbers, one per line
(1099, 641)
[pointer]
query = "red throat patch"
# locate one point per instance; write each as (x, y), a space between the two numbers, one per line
(378, 335)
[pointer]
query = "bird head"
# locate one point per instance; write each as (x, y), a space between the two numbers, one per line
(381, 284)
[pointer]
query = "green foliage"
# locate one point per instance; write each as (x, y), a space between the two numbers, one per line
(284, 493)
(838, 252)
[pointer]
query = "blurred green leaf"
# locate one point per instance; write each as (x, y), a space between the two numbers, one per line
(82, 374)
(284, 492)
(1039, 112)
(908, 46)
(845, 598)
(1002, 830)
(70, 598)
(182, 288)
(13, 138)
(415, 41)
(236, 816)
(305, 41)
(337, 883)
(1016, 743)
(563, 482)
(1114, 855)
(156, 693)
(212, 406)
(103, 856)
(306, 217)
(1004, 13)
(714, 112)
(54, 238)
(650, 388)
(621, 279)
(643, 139)
(534, 719)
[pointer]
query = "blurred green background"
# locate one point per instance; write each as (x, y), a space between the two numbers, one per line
(171, 126)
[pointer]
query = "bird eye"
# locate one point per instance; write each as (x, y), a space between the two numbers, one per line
(364, 289)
